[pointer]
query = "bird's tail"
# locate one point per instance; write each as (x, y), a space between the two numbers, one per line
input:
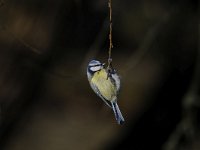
(117, 112)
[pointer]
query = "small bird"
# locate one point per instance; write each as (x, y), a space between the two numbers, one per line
(106, 87)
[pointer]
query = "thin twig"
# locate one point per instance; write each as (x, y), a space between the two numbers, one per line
(109, 68)
(110, 34)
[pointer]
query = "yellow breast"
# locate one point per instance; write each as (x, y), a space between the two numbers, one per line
(105, 86)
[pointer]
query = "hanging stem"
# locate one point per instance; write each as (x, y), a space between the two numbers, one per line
(110, 34)
(109, 68)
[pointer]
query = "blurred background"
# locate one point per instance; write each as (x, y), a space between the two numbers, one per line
(46, 102)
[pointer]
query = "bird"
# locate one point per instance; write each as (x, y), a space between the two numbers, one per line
(105, 86)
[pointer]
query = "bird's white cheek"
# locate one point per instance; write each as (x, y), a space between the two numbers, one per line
(96, 68)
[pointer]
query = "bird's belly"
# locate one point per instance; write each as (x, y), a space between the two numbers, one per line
(105, 86)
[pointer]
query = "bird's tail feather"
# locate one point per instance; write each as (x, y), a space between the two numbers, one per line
(117, 112)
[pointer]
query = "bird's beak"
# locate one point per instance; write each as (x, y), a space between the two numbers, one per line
(102, 65)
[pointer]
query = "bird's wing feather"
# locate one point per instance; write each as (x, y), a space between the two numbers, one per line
(116, 80)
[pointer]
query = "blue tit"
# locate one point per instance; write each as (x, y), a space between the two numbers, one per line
(106, 87)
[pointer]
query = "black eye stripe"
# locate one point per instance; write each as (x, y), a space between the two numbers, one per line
(95, 65)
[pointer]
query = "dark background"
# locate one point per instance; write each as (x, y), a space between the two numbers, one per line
(45, 99)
